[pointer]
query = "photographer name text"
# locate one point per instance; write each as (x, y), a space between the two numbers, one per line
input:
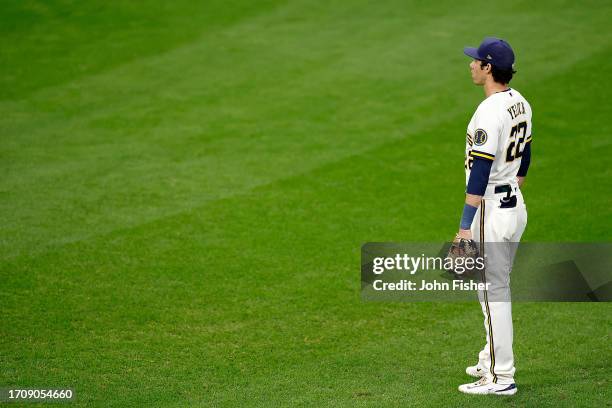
(425, 286)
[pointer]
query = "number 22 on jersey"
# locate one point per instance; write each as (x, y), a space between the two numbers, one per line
(516, 145)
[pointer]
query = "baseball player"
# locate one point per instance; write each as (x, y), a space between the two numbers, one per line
(497, 156)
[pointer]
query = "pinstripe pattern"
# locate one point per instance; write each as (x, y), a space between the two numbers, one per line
(486, 299)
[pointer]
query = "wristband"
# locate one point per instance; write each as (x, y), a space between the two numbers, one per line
(469, 211)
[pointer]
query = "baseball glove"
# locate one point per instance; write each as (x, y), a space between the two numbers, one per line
(460, 251)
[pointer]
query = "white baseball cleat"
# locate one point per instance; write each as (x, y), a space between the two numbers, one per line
(486, 386)
(476, 371)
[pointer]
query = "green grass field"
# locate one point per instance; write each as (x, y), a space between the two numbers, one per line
(185, 189)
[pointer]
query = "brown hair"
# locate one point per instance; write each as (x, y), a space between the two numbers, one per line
(502, 76)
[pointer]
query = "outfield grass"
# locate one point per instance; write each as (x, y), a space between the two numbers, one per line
(185, 190)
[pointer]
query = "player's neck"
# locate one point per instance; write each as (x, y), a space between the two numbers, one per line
(491, 87)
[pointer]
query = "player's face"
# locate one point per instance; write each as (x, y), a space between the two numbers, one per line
(479, 74)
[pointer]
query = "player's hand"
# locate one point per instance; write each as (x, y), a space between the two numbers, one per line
(462, 248)
(465, 234)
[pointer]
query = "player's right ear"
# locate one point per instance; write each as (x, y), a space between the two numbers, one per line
(485, 67)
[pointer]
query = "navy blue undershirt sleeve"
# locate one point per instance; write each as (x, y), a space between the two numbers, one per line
(525, 160)
(479, 176)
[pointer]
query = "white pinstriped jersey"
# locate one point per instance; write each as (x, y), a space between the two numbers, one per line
(499, 131)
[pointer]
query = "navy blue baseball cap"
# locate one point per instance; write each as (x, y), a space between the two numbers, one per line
(493, 50)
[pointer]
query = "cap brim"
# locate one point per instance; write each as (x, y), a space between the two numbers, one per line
(471, 52)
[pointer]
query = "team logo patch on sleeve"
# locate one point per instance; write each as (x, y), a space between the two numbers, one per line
(480, 137)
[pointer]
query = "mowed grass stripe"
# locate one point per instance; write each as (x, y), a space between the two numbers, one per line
(55, 42)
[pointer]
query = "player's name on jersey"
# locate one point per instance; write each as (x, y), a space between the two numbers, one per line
(516, 109)
(429, 286)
